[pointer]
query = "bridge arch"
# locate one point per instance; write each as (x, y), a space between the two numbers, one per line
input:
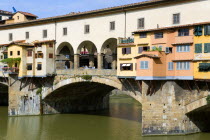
(87, 54)
(65, 56)
(109, 53)
(77, 95)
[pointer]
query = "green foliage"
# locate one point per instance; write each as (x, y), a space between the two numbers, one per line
(11, 61)
(86, 77)
(208, 99)
(155, 49)
(39, 91)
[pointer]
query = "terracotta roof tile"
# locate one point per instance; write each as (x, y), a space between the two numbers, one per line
(27, 14)
(147, 55)
(45, 41)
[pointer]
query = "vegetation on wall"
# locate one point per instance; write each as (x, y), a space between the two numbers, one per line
(39, 91)
(11, 61)
(87, 77)
(208, 99)
(155, 49)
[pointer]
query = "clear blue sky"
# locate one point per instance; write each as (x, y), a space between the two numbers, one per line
(48, 8)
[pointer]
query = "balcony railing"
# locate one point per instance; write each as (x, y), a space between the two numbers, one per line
(9, 70)
(126, 40)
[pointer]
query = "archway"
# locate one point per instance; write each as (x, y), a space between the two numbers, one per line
(109, 53)
(87, 55)
(65, 56)
(3, 95)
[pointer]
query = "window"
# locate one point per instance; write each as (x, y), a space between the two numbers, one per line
(27, 35)
(184, 32)
(11, 53)
(112, 25)
(198, 48)
(198, 30)
(207, 30)
(39, 55)
(87, 29)
(160, 48)
(10, 37)
(51, 45)
(204, 67)
(140, 50)
(29, 66)
(183, 48)
(50, 55)
(168, 50)
(183, 65)
(64, 31)
(176, 18)
(0, 17)
(124, 67)
(170, 66)
(143, 35)
(29, 53)
(18, 17)
(158, 35)
(1, 56)
(5, 56)
(126, 50)
(141, 23)
(18, 52)
(207, 48)
(44, 33)
(144, 65)
(39, 66)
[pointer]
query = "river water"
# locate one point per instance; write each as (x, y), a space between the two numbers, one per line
(121, 122)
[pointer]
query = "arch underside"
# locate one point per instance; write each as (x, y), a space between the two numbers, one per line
(78, 97)
(3, 95)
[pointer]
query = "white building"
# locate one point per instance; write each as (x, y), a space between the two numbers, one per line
(98, 30)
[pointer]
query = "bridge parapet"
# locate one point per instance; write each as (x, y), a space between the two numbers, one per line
(93, 72)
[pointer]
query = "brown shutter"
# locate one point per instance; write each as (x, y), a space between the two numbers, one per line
(35, 55)
(123, 50)
(131, 66)
(128, 50)
(140, 49)
(121, 67)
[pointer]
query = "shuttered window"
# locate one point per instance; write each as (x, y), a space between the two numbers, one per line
(207, 48)
(176, 18)
(183, 48)
(141, 23)
(183, 65)
(126, 50)
(170, 66)
(198, 30)
(112, 25)
(144, 65)
(184, 32)
(198, 48)
(207, 30)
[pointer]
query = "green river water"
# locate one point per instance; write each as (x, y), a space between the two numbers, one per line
(121, 122)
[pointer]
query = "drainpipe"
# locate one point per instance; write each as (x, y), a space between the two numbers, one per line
(125, 14)
(55, 46)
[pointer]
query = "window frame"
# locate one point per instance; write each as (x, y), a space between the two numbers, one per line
(27, 35)
(183, 65)
(112, 25)
(143, 65)
(44, 33)
(141, 23)
(182, 48)
(170, 66)
(158, 35)
(183, 32)
(87, 29)
(65, 31)
(29, 64)
(176, 20)
(10, 37)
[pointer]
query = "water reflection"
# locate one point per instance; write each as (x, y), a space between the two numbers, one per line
(122, 122)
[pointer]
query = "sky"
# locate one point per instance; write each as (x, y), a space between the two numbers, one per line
(49, 8)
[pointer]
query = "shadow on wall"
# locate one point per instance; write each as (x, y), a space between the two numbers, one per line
(77, 97)
(3, 95)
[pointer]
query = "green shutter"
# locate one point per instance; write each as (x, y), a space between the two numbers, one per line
(198, 30)
(207, 48)
(198, 48)
(207, 30)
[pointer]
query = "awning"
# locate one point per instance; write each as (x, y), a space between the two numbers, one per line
(128, 65)
(124, 65)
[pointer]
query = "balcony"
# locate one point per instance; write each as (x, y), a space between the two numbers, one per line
(126, 40)
(9, 70)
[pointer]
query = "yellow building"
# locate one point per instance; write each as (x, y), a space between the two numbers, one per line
(15, 51)
(202, 51)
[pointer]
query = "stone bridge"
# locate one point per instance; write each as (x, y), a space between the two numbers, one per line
(168, 107)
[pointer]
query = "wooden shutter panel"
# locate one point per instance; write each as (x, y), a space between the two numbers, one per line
(123, 50)
(121, 67)
(198, 48)
(128, 50)
(35, 55)
(140, 49)
(132, 66)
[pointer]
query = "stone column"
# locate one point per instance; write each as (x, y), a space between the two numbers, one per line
(91, 60)
(100, 61)
(76, 61)
(114, 62)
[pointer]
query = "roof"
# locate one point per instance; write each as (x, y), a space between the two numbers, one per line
(126, 44)
(20, 44)
(27, 14)
(45, 41)
(172, 27)
(5, 12)
(183, 43)
(105, 10)
(147, 55)
(17, 41)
